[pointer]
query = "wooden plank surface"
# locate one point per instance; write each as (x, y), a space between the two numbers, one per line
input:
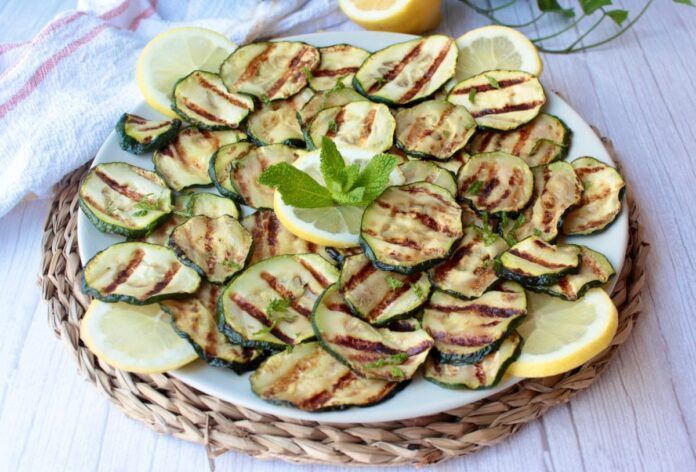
(641, 415)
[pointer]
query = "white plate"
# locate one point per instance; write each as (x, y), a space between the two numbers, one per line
(420, 397)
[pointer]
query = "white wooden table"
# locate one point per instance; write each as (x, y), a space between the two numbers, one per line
(641, 415)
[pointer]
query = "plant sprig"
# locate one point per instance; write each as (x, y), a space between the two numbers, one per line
(601, 10)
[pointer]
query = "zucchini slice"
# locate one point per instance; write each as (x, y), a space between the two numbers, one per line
(217, 248)
(361, 124)
(543, 140)
(137, 273)
(600, 202)
(339, 62)
(268, 306)
(379, 297)
(179, 215)
(202, 99)
(534, 262)
(269, 71)
(219, 166)
(465, 331)
(410, 228)
(327, 99)
(485, 373)
(407, 72)
(277, 123)
(373, 353)
(557, 189)
(272, 239)
(404, 325)
(495, 181)
(469, 272)
(470, 217)
(211, 205)
(138, 135)
(455, 163)
(184, 162)
(340, 254)
(500, 99)
(434, 129)
(194, 319)
(424, 171)
(309, 378)
(124, 199)
(595, 270)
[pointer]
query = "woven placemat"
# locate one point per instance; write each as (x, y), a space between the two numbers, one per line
(169, 406)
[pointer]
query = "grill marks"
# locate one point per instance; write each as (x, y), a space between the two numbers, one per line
(124, 274)
(286, 294)
(396, 69)
(335, 72)
(260, 316)
(294, 70)
(231, 99)
(114, 185)
(164, 281)
(536, 260)
(338, 122)
(392, 296)
(480, 88)
(358, 277)
(320, 399)
(254, 65)
(418, 85)
(507, 108)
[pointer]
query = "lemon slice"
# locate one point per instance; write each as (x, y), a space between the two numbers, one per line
(174, 54)
(337, 226)
(560, 335)
(134, 338)
(496, 47)
(400, 16)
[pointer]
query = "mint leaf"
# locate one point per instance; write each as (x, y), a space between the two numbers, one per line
(375, 176)
(351, 172)
(552, 6)
(491, 80)
(354, 197)
(332, 165)
(394, 283)
(277, 304)
(474, 188)
(394, 359)
(472, 94)
(591, 6)
(619, 16)
(297, 188)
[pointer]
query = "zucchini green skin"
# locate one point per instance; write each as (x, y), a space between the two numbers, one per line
(340, 257)
(223, 191)
(293, 142)
(473, 358)
(421, 267)
(114, 297)
(133, 146)
(532, 282)
(237, 367)
(501, 372)
(105, 227)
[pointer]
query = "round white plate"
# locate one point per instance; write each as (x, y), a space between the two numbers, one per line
(420, 397)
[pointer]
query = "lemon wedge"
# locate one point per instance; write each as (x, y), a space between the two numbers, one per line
(401, 16)
(560, 335)
(134, 338)
(173, 54)
(496, 47)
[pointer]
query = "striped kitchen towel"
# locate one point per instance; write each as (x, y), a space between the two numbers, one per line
(62, 92)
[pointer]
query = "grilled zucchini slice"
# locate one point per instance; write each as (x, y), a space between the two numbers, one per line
(211, 205)
(246, 164)
(407, 72)
(373, 353)
(411, 227)
(557, 189)
(194, 319)
(124, 199)
(309, 378)
(600, 202)
(220, 165)
(533, 262)
(138, 135)
(202, 99)
(184, 162)
(455, 163)
(500, 99)
(277, 123)
(434, 129)
(217, 248)
(137, 273)
(469, 272)
(379, 297)
(359, 124)
(179, 215)
(340, 254)
(595, 270)
(268, 306)
(327, 99)
(424, 171)
(485, 373)
(542, 141)
(338, 63)
(272, 239)
(269, 71)
(495, 182)
(404, 325)
(466, 331)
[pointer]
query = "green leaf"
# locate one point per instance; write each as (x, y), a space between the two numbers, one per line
(474, 188)
(397, 373)
(394, 359)
(353, 198)
(297, 188)
(394, 283)
(552, 6)
(375, 176)
(351, 172)
(332, 164)
(591, 6)
(491, 80)
(277, 304)
(472, 95)
(307, 73)
(619, 16)
(417, 290)
(685, 2)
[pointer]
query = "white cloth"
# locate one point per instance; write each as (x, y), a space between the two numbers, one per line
(62, 92)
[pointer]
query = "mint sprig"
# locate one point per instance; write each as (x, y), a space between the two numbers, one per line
(345, 185)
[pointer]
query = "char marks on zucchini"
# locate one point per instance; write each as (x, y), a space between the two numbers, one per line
(277, 123)
(595, 270)
(339, 62)
(411, 227)
(534, 262)
(327, 99)
(424, 171)
(138, 135)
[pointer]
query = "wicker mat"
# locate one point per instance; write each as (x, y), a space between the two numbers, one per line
(169, 406)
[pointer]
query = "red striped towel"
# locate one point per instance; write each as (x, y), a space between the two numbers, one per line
(62, 92)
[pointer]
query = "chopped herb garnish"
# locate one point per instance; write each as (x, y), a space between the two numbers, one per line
(307, 73)
(510, 236)
(397, 373)
(146, 204)
(264, 98)
(380, 81)
(230, 264)
(277, 305)
(266, 329)
(277, 312)
(394, 283)
(333, 126)
(418, 290)
(339, 84)
(537, 232)
(472, 95)
(491, 80)
(394, 359)
(474, 188)
(489, 236)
